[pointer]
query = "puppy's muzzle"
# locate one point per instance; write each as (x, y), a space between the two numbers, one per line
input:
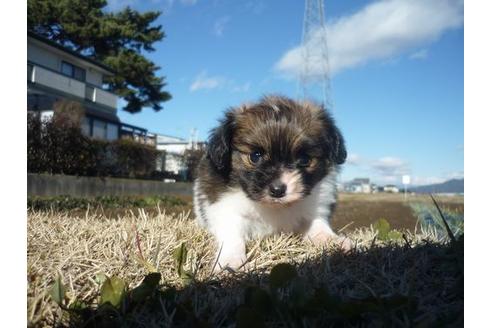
(277, 189)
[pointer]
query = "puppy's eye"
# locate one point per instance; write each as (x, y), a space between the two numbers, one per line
(304, 160)
(255, 156)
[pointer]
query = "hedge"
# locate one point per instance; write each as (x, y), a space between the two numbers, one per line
(59, 147)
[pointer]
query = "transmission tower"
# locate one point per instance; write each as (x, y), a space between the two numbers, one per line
(314, 76)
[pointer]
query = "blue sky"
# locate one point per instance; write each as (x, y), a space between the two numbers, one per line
(396, 85)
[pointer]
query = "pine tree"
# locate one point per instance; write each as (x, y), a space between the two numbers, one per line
(116, 39)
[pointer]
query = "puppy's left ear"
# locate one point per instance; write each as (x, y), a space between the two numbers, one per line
(339, 152)
(334, 142)
(219, 145)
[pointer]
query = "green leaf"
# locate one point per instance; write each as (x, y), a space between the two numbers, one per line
(282, 274)
(247, 317)
(58, 291)
(187, 277)
(382, 226)
(100, 278)
(78, 305)
(180, 254)
(146, 288)
(146, 264)
(394, 235)
(113, 291)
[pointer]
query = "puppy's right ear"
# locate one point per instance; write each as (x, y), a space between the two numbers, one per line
(219, 145)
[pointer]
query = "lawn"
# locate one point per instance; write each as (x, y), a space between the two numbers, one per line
(162, 263)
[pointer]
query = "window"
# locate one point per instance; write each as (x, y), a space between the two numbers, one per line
(79, 73)
(67, 69)
(73, 71)
(86, 126)
(100, 129)
(112, 131)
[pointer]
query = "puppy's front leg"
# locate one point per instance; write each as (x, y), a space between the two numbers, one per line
(231, 246)
(231, 252)
(320, 232)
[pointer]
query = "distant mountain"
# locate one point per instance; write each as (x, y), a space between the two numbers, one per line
(451, 186)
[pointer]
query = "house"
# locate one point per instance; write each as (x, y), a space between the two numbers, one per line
(391, 189)
(174, 149)
(359, 185)
(56, 73)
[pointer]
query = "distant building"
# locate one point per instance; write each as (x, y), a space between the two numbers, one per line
(391, 189)
(172, 160)
(56, 73)
(359, 185)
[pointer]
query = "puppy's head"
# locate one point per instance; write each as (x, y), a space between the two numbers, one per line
(277, 150)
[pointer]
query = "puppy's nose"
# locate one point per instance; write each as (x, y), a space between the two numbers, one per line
(277, 189)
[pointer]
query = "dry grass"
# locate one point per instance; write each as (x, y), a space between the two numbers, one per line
(423, 269)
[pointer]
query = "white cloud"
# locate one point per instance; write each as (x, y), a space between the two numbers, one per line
(189, 2)
(203, 81)
(422, 181)
(257, 7)
(380, 30)
(220, 24)
(455, 175)
(390, 169)
(241, 88)
(419, 55)
(390, 166)
(353, 159)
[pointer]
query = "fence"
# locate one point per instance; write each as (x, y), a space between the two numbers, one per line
(55, 185)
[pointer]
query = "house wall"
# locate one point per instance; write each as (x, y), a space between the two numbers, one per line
(173, 159)
(47, 62)
(161, 139)
(106, 98)
(42, 56)
(174, 163)
(52, 59)
(391, 189)
(59, 82)
(366, 188)
(178, 148)
(93, 77)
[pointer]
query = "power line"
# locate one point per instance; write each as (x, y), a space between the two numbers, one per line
(314, 76)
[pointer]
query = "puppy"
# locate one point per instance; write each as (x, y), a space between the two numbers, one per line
(270, 167)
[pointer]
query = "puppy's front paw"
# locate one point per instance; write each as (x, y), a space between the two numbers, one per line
(323, 238)
(344, 243)
(232, 261)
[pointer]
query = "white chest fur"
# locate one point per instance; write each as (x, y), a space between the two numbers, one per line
(235, 211)
(234, 218)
